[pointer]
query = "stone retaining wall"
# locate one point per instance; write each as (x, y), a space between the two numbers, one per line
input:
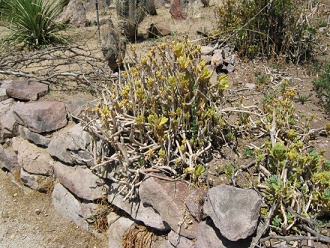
(53, 152)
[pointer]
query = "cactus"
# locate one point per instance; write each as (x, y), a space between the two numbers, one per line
(131, 13)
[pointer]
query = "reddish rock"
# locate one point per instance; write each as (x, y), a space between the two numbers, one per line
(79, 181)
(25, 90)
(135, 209)
(167, 198)
(159, 30)
(176, 10)
(195, 202)
(41, 117)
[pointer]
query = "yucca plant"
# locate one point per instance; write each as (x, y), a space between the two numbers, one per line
(32, 22)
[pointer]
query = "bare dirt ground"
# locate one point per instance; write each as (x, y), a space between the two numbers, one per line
(29, 220)
(21, 224)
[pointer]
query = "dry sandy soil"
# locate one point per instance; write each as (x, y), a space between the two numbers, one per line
(28, 219)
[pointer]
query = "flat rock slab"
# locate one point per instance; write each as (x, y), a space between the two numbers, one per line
(235, 212)
(25, 90)
(40, 117)
(79, 181)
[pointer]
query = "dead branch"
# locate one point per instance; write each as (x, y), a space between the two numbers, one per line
(55, 64)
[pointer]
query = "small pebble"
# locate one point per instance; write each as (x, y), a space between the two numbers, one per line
(37, 211)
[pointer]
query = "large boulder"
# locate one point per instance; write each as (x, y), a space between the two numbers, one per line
(24, 90)
(41, 117)
(167, 198)
(235, 212)
(79, 181)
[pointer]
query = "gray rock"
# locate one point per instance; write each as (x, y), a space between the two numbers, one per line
(234, 211)
(36, 182)
(80, 181)
(136, 209)
(9, 127)
(229, 67)
(179, 241)
(41, 117)
(35, 138)
(76, 106)
(5, 105)
(66, 146)
(206, 50)
(231, 59)
(209, 236)
(67, 205)
(116, 231)
(25, 90)
(31, 158)
(217, 58)
(3, 94)
(112, 218)
(195, 202)
(167, 198)
(159, 29)
(8, 159)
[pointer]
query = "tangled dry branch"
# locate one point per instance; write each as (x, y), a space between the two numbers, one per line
(55, 64)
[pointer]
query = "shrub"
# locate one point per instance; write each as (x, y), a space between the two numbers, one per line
(268, 28)
(32, 22)
(162, 112)
(298, 176)
(322, 85)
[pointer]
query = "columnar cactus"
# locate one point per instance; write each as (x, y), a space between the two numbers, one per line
(131, 13)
